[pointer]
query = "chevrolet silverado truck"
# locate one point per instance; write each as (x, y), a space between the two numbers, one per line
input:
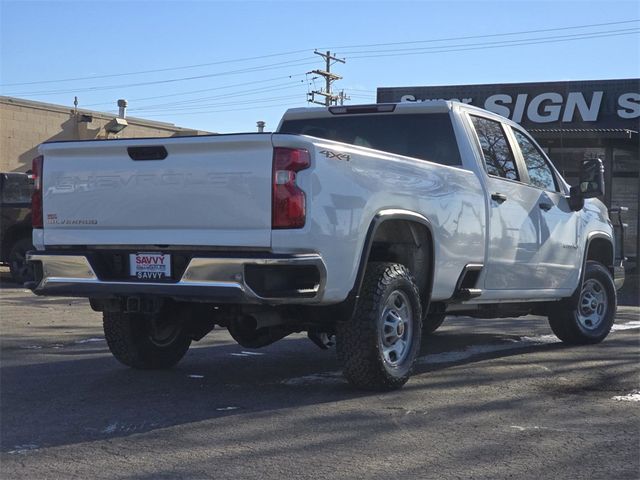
(360, 225)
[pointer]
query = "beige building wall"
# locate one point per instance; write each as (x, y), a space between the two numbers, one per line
(24, 124)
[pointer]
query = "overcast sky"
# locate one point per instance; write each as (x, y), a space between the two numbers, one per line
(221, 66)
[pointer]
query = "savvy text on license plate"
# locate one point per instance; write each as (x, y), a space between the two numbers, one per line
(150, 266)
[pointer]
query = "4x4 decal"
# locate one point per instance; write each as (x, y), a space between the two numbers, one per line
(340, 156)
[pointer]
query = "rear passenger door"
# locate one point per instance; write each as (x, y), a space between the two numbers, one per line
(558, 251)
(511, 262)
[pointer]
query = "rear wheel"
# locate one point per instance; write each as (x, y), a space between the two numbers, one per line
(588, 320)
(21, 271)
(379, 345)
(146, 341)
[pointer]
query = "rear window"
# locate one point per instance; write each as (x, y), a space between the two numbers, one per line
(427, 137)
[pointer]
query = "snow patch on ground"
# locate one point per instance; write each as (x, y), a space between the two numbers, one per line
(22, 449)
(90, 340)
(31, 347)
(110, 428)
(625, 326)
(196, 376)
(630, 397)
(522, 429)
(473, 350)
(226, 409)
(119, 427)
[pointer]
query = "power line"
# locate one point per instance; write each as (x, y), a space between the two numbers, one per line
(197, 108)
(264, 107)
(191, 92)
(471, 37)
(260, 68)
(292, 52)
(190, 104)
(157, 70)
(575, 36)
(445, 49)
(357, 55)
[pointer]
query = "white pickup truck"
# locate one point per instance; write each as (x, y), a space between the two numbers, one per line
(360, 224)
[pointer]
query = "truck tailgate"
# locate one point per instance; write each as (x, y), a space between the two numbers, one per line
(209, 190)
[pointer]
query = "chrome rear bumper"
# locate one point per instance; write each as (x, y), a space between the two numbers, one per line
(209, 279)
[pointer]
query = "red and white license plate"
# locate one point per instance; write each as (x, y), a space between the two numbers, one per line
(150, 266)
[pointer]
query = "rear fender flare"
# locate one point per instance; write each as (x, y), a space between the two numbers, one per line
(380, 218)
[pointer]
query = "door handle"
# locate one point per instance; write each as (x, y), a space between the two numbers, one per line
(498, 197)
(545, 206)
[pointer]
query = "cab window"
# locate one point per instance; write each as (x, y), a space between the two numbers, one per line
(540, 173)
(498, 157)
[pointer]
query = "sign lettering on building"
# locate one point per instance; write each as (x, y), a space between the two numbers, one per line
(584, 104)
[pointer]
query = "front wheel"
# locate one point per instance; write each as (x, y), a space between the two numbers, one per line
(379, 345)
(590, 319)
(146, 341)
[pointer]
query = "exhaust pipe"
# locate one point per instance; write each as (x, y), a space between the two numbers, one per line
(258, 329)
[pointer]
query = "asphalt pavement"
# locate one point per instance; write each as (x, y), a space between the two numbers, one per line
(490, 399)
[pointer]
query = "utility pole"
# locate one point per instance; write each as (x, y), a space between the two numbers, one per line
(329, 98)
(342, 97)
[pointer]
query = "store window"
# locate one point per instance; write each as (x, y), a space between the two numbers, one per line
(624, 192)
(568, 160)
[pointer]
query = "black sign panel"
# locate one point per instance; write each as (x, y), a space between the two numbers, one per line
(580, 104)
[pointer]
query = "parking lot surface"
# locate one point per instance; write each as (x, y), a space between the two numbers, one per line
(489, 399)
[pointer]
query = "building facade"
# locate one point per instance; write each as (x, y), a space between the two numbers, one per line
(25, 124)
(571, 121)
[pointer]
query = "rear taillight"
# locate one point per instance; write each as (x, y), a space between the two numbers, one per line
(36, 197)
(288, 209)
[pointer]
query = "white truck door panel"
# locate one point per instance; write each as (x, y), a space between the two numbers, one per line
(558, 250)
(559, 247)
(513, 213)
(513, 238)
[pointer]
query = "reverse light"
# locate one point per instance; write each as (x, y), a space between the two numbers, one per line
(288, 208)
(36, 197)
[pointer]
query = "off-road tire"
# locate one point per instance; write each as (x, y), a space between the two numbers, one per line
(431, 323)
(358, 339)
(130, 341)
(21, 271)
(564, 316)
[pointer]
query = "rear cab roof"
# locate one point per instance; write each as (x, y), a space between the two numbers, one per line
(435, 106)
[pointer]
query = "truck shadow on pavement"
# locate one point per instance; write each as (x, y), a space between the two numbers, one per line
(60, 399)
(7, 283)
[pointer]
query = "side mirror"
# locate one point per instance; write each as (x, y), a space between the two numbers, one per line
(591, 178)
(591, 183)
